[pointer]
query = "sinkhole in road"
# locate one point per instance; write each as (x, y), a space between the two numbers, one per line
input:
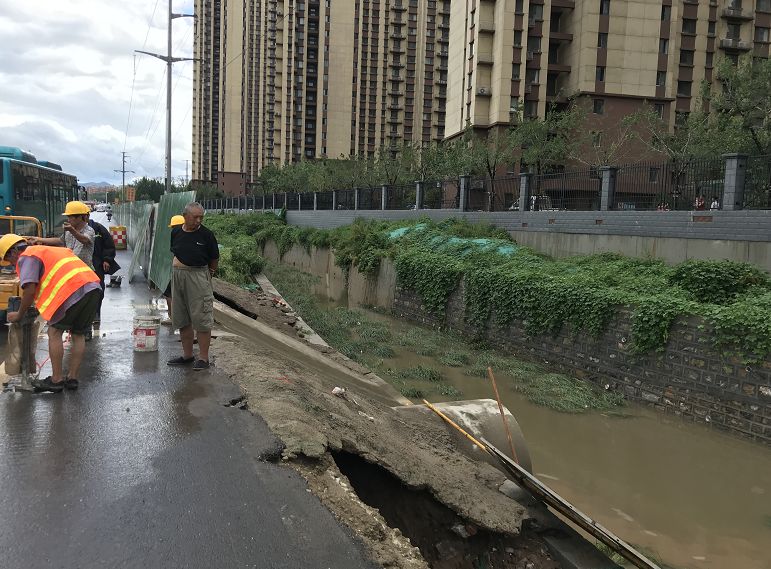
(444, 539)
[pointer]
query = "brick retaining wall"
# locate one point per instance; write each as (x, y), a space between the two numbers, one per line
(688, 379)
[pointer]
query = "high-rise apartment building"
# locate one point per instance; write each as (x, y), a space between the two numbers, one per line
(278, 81)
(530, 55)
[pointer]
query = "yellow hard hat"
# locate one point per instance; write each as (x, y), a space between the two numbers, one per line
(177, 220)
(7, 241)
(76, 208)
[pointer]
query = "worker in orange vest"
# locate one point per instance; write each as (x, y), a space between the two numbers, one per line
(65, 290)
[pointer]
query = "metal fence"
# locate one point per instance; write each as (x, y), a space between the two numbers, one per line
(757, 183)
(689, 185)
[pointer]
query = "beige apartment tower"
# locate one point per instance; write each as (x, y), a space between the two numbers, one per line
(280, 81)
(527, 56)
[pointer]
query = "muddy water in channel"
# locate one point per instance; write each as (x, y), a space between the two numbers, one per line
(690, 496)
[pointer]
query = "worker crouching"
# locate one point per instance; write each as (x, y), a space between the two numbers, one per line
(66, 292)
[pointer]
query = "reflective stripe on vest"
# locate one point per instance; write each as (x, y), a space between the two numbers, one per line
(63, 274)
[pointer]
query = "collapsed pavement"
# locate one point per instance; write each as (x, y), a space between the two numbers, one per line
(397, 480)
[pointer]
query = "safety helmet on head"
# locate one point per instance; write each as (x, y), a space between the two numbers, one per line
(76, 208)
(176, 220)
(7, 241)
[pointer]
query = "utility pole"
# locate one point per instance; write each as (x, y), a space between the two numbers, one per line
(124, 171)
(169, 61)
(187, 179)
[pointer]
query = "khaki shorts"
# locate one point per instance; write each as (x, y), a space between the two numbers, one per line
(192, 298)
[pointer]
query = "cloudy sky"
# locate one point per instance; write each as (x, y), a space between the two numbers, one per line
(66, 74)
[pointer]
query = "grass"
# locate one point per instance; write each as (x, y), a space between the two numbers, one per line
(370, 341)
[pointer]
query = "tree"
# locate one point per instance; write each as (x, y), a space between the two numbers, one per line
(394, 163)
(149, 189)
(743, 97)
(548, 142)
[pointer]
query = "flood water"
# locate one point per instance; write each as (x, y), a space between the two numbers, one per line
(692, 497)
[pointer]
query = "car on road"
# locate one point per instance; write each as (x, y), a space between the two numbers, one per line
(102, 207)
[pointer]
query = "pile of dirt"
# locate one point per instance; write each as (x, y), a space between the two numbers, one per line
(417, 452)
(259, 306)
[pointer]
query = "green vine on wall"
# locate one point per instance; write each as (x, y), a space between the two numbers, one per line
(504, 282)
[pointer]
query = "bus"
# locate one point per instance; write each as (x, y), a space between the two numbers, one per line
(34, 189)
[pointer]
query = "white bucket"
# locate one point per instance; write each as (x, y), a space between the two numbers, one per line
(146, 330)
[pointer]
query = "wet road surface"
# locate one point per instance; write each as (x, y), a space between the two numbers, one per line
(144, 466)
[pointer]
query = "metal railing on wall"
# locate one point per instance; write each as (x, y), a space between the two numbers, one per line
(729, 182)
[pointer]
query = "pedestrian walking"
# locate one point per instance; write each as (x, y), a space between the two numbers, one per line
(65, 291)
(103, 261)
(78, 236)
(176, 221)
(196, 257)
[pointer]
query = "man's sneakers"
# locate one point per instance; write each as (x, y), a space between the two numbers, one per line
(47, 384)
(198, 365)
(181, 361)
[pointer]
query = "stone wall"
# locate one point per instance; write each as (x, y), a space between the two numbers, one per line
(687, 379)
(673, 236)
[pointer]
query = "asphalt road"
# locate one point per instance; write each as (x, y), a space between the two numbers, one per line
(144, 466)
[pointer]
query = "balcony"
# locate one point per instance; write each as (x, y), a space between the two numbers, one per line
(560, 37)
(559, 68)
(396, 65)
(394, 107)
(563, 4)
(399, 7)
(485, 59)
(397, 36)
(733, 44)
(736, 13)
(396, 49)
(487, 26)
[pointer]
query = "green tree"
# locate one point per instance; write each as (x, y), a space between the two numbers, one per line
(149, 189)
(548, 142)
(743, 99)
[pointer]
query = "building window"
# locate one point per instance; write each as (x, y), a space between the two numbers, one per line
(658, 108)
(708, 62)
(598, 106)
(666, 13)
(689, 26)
(532, 76)
(533, 44)
(734, 31)
(711, 29)
(531, 109)
(596, 139)
(602, 40)
(663, 46)
(686, 57)
(519, 8)
(536, 12)
(518, 38)
(684, 88)
(515, 71)
(600, 73)
(604, 7)
(681, 117)
(653, 175)
(764, 6)
(762, 35)
(661, 78)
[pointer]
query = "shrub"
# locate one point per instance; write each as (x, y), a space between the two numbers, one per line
(716, 282)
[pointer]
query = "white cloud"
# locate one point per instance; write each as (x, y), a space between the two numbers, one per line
(66, 71)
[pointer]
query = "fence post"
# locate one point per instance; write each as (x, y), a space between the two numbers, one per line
(463, 198)
(418, 195)
(299, 201)
(334, 200)
(315, 201)
(608, 189)
(383, 196)
(733, 186)
(525, 179)
(356, 198)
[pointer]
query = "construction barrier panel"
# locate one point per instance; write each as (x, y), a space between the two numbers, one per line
(119, 236)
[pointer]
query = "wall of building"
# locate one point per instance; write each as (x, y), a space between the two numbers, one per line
(687, 379)
(672, 236)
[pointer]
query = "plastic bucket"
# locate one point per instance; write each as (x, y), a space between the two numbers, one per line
(146, 330)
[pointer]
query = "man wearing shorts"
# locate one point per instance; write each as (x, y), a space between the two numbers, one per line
(176, 221)
(196, 256)
(65, 291)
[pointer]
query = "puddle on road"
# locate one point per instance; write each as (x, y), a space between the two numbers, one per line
(692, 497)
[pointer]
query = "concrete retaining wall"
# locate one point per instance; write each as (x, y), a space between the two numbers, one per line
(673, 236)
(688, 379)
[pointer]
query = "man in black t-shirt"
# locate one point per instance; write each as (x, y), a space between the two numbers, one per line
(196, 256)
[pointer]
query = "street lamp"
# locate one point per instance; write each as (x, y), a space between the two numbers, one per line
(169, 59)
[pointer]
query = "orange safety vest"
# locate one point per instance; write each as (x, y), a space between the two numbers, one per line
(63, 274)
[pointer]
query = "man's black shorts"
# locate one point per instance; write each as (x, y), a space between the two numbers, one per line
(80, 316)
